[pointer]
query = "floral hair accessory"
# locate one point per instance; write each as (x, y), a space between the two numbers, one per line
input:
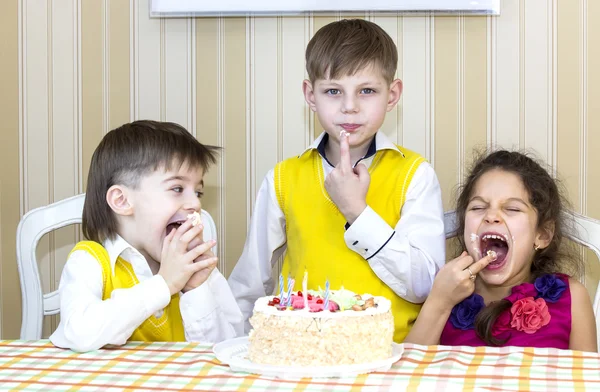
(549, 287)
(464, 313)
(529, 315)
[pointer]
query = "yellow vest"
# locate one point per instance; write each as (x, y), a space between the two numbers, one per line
(315, 226)
(166, 328)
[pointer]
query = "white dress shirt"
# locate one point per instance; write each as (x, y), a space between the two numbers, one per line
(209, 312)
(405, 257)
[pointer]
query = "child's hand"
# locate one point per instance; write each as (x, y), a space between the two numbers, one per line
(201, 276)
(453, 283)
(177, 263)
(348, 186)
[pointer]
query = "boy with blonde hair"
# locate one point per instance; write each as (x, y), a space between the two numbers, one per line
(353, 208)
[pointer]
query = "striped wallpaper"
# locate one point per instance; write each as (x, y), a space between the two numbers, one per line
(71, 70)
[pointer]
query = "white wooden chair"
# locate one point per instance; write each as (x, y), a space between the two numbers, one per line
(32, 227)
(586, 232)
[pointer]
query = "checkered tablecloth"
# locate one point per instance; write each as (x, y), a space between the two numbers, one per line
(185, 366)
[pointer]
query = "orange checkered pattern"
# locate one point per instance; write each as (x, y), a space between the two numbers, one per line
(163, 366)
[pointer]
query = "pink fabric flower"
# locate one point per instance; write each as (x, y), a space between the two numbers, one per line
(521, 291)
(529, 315)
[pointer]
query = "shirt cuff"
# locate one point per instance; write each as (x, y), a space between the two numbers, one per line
(155, 293)
(197, 303)
(368, 234)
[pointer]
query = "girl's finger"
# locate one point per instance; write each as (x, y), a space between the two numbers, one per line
(482, 263)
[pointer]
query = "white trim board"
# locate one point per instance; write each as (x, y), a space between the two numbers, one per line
(178, 8)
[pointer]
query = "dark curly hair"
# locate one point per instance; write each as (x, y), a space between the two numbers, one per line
(546, 196)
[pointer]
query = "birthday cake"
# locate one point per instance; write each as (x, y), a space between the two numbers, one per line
(297, 330)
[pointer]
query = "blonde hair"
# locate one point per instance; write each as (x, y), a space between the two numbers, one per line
(343, 48)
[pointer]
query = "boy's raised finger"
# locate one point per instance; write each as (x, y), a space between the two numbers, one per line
(345, 163)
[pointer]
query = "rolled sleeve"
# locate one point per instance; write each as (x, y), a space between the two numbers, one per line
(368, 234)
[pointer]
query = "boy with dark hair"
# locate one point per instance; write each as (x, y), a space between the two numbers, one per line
(145, 272)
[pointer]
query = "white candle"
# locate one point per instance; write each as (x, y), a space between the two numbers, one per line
(326, 307)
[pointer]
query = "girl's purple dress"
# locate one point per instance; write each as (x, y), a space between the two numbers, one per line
(540, 316)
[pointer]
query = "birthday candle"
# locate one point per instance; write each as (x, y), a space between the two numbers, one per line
(281, 288)
(289, 293)
(305, 289)
(326, 306)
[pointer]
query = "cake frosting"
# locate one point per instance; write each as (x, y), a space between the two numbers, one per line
(195, 217)
(354, 329)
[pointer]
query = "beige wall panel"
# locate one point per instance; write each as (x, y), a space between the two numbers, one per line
(37, 120)
(176, 71)
(536, 86)
(265, 39)
(10, 204)
(416, 69)
(593, 109)
(593, 135)
(475, 82)
(118, 63)
(569, 99)
(209, 112)
(446, 106)
(393, 26)
(506, 77)
(295, 118)
(92, 77)
(64, 165)
(149, 60)
(234, 170)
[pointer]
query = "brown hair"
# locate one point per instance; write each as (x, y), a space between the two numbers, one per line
(344, 47)
(546, 196)
(128, 153)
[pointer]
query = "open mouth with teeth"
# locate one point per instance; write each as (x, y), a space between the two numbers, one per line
(174, 225)
(495, 242)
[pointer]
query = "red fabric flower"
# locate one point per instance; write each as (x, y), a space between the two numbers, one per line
(529, 315)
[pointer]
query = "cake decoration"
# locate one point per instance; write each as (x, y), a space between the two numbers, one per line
(320, 327)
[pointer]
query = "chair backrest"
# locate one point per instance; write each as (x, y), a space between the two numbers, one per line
(586, 232)
(32, 227)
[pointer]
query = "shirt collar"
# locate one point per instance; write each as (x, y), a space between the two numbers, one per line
(120, 247)
(379, 142)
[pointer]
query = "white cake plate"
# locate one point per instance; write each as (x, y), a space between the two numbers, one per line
(234, 352)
